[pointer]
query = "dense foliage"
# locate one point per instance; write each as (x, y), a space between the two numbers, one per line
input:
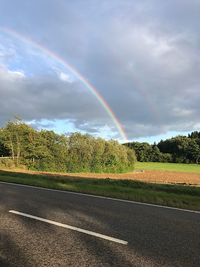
(179, 149)
(48, 151)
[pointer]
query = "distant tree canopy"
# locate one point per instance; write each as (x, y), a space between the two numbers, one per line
(149, 153)
(47, 151)
(179, 149)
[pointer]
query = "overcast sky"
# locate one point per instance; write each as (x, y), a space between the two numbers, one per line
(142, 56)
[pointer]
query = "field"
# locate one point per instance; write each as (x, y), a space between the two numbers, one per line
(169, 173)
(151, 172)
(175, 167)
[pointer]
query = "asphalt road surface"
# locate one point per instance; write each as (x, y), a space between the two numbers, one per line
(49, 228)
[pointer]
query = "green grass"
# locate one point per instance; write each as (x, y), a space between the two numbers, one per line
(187, 197)
(178, 167)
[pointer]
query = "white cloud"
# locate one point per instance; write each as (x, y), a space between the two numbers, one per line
(17, 74)
(11, 75)
(65, 77)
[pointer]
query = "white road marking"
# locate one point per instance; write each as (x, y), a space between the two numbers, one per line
(101, 197)
(116, 240)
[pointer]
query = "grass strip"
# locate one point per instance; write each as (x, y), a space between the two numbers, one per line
(180, 196)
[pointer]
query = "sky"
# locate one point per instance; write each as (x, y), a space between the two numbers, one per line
(122, 69)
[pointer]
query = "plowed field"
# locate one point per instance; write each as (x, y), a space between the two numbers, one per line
(170, 177)
(150, 176)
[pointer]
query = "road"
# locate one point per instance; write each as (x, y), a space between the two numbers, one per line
(152, 236)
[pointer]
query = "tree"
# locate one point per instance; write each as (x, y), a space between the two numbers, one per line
(193, 151)
(47, 151)
(4, 151)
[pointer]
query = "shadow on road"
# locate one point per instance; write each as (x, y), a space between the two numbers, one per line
(11, 253)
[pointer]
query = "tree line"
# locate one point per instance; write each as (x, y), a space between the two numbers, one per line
(48, 151)
(179, 149)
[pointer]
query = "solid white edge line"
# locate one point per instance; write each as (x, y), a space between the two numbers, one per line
(102, 197)
(77, 229)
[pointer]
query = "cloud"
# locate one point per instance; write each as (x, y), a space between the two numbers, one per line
(17, 74)
(65, 77)
(142, 56)
(48, 98)
(9, 75)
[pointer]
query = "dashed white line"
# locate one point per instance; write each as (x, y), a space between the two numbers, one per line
(109, 238)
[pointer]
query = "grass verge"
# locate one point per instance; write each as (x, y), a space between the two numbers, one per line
(187, 197)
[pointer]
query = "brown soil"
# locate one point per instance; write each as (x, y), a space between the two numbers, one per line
(168, 177)
(151, 176)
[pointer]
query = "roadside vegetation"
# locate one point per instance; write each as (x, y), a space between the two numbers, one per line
(187, 197)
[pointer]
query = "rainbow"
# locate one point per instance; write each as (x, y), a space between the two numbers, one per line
(76, 73)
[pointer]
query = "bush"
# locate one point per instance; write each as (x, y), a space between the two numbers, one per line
(7, 163)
